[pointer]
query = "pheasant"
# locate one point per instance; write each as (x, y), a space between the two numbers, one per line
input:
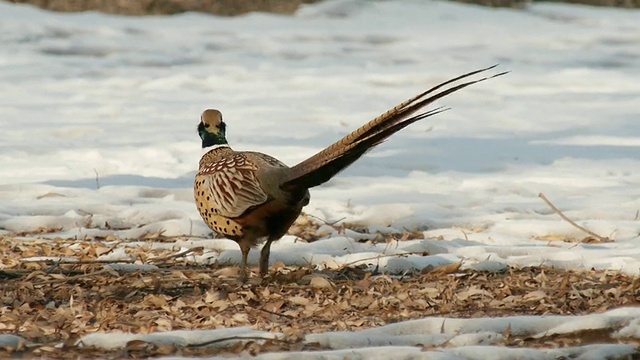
(249, 196)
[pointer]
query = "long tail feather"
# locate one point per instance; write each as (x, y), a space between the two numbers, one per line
(327, 163)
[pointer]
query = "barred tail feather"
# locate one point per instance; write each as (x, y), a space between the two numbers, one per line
(327, 163)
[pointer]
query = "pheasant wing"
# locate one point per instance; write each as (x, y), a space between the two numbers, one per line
(233, 185)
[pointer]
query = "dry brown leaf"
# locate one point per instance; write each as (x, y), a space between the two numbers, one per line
(534, 296)
(472, 292)
(446, 269)
(299, 300)
(181, 296)
(319, 282)
(212, 296)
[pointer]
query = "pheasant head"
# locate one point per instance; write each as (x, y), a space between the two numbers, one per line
(212, 129)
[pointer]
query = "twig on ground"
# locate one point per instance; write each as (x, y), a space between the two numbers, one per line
(332, 224)
(269, 312)
(464, 233)
(159, 236)
(76, 262)
(215, 341)
(71, 278)
(13, 274)
(180, 254)
(565, 218)
(344, 266)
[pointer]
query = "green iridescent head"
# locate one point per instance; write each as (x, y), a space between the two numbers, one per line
(212, 129)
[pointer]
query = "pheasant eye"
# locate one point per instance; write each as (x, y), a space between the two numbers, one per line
(206, 125)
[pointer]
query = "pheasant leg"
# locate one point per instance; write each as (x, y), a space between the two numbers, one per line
(243, 265)
(264, 258)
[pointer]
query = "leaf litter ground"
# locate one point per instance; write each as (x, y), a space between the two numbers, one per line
(53, 303)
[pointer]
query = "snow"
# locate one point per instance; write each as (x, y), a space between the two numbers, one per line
(430, 338)
(115, 340)
(99, 114)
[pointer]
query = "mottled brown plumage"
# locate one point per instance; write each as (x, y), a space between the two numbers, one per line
(248, 196)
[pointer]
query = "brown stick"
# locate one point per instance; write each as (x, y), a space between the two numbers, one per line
(211, 342)
(76, 262)
(71, 278)
(180, 254)
(565, 218)
(378, 257)
(249, 307)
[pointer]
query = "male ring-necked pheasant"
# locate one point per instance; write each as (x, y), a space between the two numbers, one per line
(249, 196)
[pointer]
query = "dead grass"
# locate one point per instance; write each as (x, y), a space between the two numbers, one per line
(51, 303)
